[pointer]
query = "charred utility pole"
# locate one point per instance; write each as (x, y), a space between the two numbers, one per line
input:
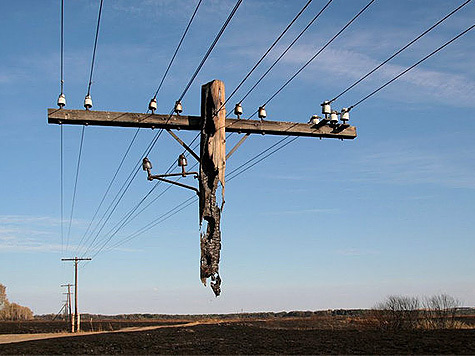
(69, 308)
(213, 125)
(76, 322)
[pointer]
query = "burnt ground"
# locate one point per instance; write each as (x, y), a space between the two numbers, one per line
(256, 338)
(40, 326)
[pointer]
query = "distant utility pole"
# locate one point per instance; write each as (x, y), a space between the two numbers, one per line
(69, 302)
(76, 322)
(213, 125)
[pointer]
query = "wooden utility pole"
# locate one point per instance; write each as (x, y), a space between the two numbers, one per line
(76, 321)
(69, 302)
(213, 125)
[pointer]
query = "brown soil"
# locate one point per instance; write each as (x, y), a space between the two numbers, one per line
(294, 336)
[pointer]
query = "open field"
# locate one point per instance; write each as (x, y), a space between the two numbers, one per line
(314, 335)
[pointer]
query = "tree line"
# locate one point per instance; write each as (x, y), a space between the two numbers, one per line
(12, 311)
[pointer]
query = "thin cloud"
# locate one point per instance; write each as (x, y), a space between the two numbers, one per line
(397, 163)
(424, 84)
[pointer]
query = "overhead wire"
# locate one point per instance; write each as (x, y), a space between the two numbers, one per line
(289, 25)
(400, 50)
(108, 187)
(120, 194)
(155, 222)
(320, 51)
(131, 216)
(95, 48)
(177, 48)
(285, 51)
(280, 144)
(311, 59)
(75, 186)
(210, 49)
(61, 168)
(412, 67)
(183, 205)
(62, 47)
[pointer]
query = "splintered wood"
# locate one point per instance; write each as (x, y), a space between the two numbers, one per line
(212, 170)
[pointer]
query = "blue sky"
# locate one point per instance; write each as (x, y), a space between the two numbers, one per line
(320, 224)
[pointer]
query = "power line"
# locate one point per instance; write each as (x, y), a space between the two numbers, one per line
(400, 50)
(109, 187)
(157, 221)
(95, 47)
(177, 48)
(411, 67)
(328, 43)
(120, 194)
(61, 164)
(320, 51)
(280, 144)
(315, 55)
(267, 52)
(210, 49)
(62, 46)
(128, 218)
(157, 135)
(75, 186)
(285, 51)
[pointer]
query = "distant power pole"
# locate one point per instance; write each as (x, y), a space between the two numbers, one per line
(69, 302)
(76, 323)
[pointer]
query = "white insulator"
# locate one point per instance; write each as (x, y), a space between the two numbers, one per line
(146, 164)
(262, 112)
(182, 161)
(152, 106)
(61, 100)
(88, 102)
(345, 115)
(314, 120)
(178, 107)
(238, 109)
(334, 117)
(326, 108)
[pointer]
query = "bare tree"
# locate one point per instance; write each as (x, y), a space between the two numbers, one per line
(397, 313)
(439, 311)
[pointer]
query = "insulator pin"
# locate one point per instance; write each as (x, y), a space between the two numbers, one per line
(152, 106)
(314, 120)
(262, 112)
(345, 115)
(178, 107)
(182, 161)
(146, 164)
(334, 117)
(326, 108)
(238, 110)
(61, 100)
(88, 102)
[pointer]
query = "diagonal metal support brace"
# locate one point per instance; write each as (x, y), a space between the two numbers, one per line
(184, 145)
(174, 182)
(237, 145)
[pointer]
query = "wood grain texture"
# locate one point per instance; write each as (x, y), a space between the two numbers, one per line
(179, 122)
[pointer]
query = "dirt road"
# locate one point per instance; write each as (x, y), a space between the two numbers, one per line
(13, 338)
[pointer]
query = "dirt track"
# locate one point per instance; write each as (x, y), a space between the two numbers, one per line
(15, 338)
(253, 338)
